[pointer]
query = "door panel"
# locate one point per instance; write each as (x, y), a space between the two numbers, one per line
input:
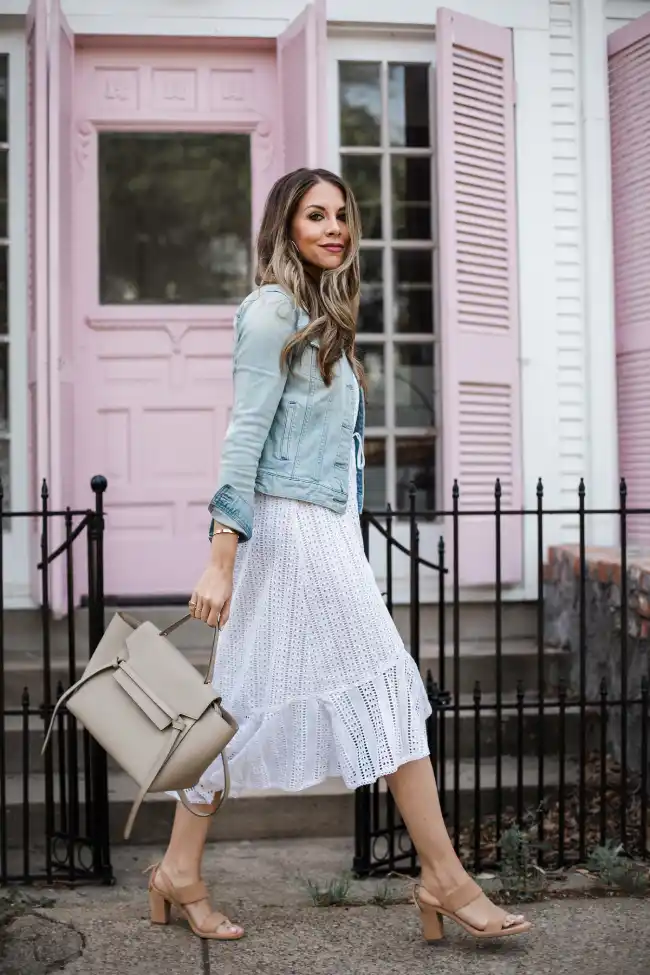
(176, 152)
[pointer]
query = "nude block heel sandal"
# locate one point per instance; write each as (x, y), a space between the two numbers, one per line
(163, 896)
(433, 907)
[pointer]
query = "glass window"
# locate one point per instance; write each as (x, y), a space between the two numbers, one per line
(387, 157)
(408, 105)
(360, 94)
(175, 218)
(371, 309)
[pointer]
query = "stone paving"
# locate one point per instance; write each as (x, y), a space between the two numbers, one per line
(263, 886)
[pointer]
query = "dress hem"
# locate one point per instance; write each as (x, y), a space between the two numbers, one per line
(207, 796)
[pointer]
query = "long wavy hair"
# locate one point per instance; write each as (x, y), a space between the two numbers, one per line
(331, 299)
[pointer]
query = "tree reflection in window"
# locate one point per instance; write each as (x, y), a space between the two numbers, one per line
(175, 218)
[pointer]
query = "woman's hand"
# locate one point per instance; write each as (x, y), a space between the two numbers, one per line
(210, 600)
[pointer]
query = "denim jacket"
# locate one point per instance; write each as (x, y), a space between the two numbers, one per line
(290, 435)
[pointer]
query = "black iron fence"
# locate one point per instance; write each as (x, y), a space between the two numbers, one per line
(557, 744)
(54, 808)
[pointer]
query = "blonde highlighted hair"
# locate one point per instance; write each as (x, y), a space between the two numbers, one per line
(332, 299)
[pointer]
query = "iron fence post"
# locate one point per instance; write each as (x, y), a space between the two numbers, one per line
(96, 625)
(47, 677)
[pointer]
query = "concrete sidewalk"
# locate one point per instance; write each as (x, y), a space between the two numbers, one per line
(263, 886)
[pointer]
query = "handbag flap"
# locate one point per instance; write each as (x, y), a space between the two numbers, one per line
(142, 700)
(165, 670)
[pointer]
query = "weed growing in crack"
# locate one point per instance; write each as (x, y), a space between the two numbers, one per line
(387, 893)
(335, 893)
(521, 878)
(614, 869)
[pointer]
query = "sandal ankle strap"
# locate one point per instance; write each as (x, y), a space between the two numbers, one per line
(191, 893)
(461, 896)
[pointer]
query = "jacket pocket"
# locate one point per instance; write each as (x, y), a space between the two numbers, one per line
(342, 461)
(287, 433)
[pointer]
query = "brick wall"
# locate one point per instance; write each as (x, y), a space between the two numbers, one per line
(603, 629)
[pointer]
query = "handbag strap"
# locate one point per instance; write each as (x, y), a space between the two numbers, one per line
(174, 626)
(157, 767)
(70, 691)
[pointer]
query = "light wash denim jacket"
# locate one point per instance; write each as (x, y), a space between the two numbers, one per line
(290, 435)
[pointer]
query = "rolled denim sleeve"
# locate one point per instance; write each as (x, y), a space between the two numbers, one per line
(264, 324)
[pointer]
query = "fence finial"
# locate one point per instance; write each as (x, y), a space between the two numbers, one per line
(98, 483)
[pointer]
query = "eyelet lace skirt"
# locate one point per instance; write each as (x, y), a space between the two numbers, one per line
(310, 663)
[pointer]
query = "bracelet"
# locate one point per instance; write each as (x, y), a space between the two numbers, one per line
(225, 531)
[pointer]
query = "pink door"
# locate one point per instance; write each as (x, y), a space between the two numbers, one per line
(175, 151)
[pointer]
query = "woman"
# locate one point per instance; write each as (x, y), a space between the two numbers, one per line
(310, 663)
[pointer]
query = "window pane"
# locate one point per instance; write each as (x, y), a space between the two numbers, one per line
(363, 173)
(175, 217)
(411, 192)
(4, 97)
(4, 283)
(414, 392)
(360, 103)
(408, 105)
(4, 477)
(4, 387)
(416, 463)
(371, 309)
(372, 357)
(4, 195)
(414, 291)
(375, 475)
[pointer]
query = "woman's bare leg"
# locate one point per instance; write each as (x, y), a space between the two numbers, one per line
(184, 855)
(414, 789)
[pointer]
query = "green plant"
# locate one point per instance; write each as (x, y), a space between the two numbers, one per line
(614, 869)
(386, 894)
(521, 878)
(333, 894)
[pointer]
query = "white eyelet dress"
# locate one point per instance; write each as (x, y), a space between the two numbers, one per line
(310, 663)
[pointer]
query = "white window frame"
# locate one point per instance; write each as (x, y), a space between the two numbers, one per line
(16, 541)
(401, 46)
(386, 48)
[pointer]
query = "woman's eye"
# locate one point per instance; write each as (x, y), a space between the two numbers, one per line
(315, 216)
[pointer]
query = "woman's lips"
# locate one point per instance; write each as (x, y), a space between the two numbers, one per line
(333, 248)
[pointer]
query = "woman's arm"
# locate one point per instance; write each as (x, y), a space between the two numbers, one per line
(263, 326)
(265, 323)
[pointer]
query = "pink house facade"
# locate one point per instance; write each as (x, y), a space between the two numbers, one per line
(505, 254)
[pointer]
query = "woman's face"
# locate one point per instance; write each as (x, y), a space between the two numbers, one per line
(318, 229)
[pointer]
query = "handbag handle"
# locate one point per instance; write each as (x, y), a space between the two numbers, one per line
(135, 623)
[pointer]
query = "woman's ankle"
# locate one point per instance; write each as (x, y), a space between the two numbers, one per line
(179, 871)
(443, 877)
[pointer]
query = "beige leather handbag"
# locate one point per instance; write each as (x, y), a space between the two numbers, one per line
(149, 708)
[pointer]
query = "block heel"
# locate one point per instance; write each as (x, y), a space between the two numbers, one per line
(432, 924)
(160, 907)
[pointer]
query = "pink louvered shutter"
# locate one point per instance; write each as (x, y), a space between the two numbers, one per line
(629, 87)
(302, 51)
(478, 288)
(60, 284)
